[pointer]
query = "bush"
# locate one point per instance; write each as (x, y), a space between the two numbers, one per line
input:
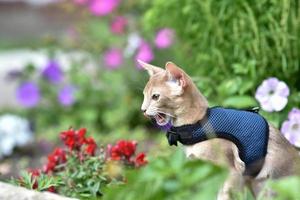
(234, 44)
(172, 177)
(81, 169)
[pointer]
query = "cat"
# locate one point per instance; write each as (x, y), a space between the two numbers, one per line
(170, 96)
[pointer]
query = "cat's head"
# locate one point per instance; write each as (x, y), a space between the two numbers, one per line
(169, 94)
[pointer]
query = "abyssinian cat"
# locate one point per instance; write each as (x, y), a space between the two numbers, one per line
(170, 96)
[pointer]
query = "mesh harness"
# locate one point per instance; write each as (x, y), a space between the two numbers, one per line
(246, 128)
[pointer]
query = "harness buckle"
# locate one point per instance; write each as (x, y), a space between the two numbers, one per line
(172, 137)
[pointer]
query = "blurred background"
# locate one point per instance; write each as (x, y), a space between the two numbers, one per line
(72, 63)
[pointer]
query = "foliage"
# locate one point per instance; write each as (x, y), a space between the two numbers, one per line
(286, 188)
(102, 98)
(235, 44)
(36, 181)
(171, 177)
(77, 170)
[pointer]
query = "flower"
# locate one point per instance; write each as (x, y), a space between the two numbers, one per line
(103, 7)
(15, 131)
(52, 72)
(91, 146)
(35, 173)
(144, 53)
(164, 38)
(140, 160)
(73, 139)
(115, 154)
(291, 127)
(272, 94)
(123, 149)
(66, 95)
(127, 148)
(51, 189)
(58, 156)
(113, 58)
(118, 25)
(28, 94)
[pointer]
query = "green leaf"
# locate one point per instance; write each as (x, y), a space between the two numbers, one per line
(242, 101)
(287, 188)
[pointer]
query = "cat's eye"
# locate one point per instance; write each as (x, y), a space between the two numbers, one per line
(155, 97)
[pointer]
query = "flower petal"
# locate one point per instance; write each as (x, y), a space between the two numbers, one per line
(272, 82)
(278, 102)
(282, 89)
(266, 105)
(294, 114)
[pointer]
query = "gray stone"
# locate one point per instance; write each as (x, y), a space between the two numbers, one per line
(11, 192)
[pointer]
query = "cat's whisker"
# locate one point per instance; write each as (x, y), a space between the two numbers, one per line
(159, 111)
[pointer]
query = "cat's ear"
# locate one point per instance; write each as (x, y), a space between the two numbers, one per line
(151, 69)
(175, 74)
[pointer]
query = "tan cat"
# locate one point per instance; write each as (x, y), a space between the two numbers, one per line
(171, 96)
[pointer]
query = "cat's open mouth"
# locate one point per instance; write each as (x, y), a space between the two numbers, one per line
(162, 119)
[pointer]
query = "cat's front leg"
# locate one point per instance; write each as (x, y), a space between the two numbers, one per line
(225, 153)
(234, 183)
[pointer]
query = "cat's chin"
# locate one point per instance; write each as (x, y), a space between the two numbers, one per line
(162, 119)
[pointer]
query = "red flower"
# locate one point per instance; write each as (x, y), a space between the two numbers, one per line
(73, 139)
(115, 153)
(91, 146)
(35, 173)
(68, 137)
(58, 156)
(127, 148)
(140, 160)
(81, 136)
(51, 189)
(123, 149)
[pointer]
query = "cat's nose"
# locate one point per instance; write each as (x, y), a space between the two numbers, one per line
(144, 111)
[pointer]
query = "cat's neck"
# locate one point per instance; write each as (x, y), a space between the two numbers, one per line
(194, 108)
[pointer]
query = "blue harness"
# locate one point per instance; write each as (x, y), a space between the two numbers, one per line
(246, 128)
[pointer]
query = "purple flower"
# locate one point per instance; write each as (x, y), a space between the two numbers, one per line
(113, 58)
(103, 7)
(52, 72)
(66, 95)
(272, 94)
(164, 38)
(118, 25)
(144, 53)
(28, 94)
(291, 127)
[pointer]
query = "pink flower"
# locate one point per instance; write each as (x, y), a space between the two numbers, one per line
(113, 58)
(103, 7)
(118, 25)
(164, 38)
(144, 53)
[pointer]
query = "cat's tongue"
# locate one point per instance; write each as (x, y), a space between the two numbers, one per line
(159, 119)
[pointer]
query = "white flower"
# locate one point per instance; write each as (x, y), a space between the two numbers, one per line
(272, 94)
(14, 132)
